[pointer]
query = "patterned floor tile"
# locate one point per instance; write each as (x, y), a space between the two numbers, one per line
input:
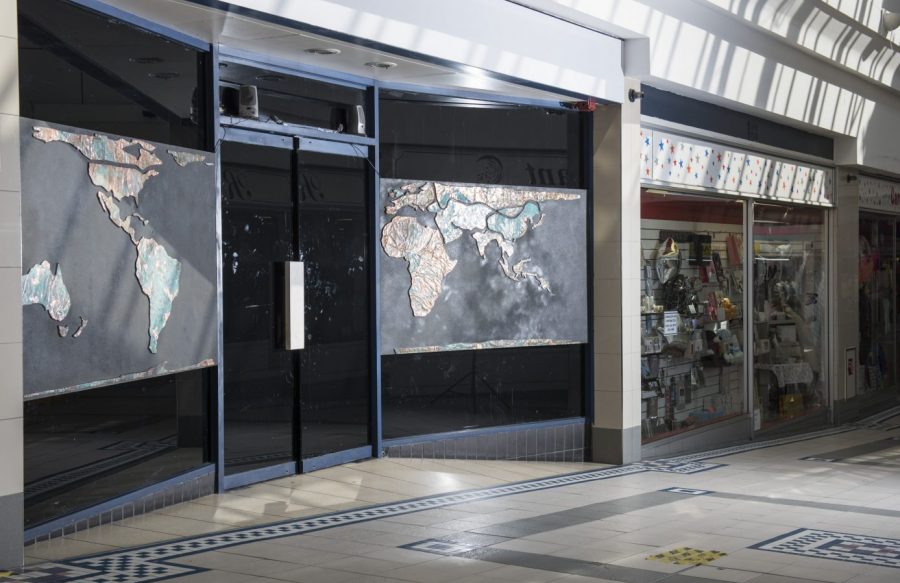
(441, 547)
(821, 544)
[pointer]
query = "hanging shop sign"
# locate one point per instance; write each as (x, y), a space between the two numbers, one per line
(670, 159)
(879, 195)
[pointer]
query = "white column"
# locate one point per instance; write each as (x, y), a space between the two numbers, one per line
(616, 431)
(11, 439)
(845, 300)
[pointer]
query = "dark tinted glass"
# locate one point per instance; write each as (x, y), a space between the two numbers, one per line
(463, 141)
(88, 70)
(483, 143)
(334, 366)
(87, 447)
(290, 99)
(450, 391)
(257, 235)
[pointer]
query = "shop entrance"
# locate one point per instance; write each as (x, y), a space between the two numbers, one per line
(288, 199)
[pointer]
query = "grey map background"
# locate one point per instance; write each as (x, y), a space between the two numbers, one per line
(478, 302)
(64, 224)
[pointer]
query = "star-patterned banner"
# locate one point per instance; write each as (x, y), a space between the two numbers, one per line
(879, 195)
(671, 159)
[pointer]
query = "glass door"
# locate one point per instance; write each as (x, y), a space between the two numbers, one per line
(333, 235)
(280, 204)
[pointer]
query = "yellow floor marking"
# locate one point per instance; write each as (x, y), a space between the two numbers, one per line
(687, 556)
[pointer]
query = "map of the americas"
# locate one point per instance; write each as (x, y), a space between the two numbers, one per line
(119, 168)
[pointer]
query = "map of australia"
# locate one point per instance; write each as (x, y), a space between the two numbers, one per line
(491, 215)
(120, 168)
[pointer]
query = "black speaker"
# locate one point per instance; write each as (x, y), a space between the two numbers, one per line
(229, 101)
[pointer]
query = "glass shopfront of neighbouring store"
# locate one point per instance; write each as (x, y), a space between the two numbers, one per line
(879, 259)
(733, 293)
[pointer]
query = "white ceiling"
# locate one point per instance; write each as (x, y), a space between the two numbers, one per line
(283, 43)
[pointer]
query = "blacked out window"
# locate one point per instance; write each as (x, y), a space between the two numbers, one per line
(86, 447)
(81, 68)
(431, 138)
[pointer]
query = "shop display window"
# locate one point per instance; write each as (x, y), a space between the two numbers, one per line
(692, 321)
(426, 137)
(789, 319)
(86, 447)
(877, 305)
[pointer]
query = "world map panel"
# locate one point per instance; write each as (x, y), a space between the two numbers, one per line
(475, 266)
(119, 258)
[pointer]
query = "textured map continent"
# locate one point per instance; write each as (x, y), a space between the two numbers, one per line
(120, 168)
(423, 249)
(498, 215)
(41, 286)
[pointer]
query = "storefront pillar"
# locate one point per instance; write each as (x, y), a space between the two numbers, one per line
(616, 431)
(11, 442)
(846, 296)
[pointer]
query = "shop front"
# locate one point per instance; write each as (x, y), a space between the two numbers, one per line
(734, 280)
(324, 266)
(879, 258)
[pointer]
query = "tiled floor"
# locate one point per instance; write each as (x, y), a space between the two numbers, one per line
(771, 512)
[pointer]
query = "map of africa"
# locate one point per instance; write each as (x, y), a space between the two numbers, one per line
(499, 215)
(120, 168)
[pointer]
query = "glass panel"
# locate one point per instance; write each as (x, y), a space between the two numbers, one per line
(877, 307)
(433, 138)
(692, 321)
(335, 383)
(258, 233)
(789, 275)
(84, 69)
(488, 143)
(450, 391)
(298, 100)
(84, 448)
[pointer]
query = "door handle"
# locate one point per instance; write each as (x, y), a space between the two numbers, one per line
(294, 306)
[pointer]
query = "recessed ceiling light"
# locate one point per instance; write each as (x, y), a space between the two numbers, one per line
(385, 65)
(146, 60)
(164, 75)
(323, 51)
(271, 77)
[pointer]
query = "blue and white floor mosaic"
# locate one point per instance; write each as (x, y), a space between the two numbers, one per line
(839, 546)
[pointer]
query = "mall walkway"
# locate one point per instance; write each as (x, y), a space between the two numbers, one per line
(821, 507)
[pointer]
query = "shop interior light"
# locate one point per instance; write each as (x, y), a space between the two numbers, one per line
(323, 51)
(384, 65)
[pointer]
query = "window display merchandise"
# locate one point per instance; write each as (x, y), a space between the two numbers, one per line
(789, 278)
(692, 357)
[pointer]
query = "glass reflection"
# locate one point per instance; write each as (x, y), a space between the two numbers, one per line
(257, 234)
(334, 367)
(81, 68)
(877, 305)
(789, 277)
(87, 447)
